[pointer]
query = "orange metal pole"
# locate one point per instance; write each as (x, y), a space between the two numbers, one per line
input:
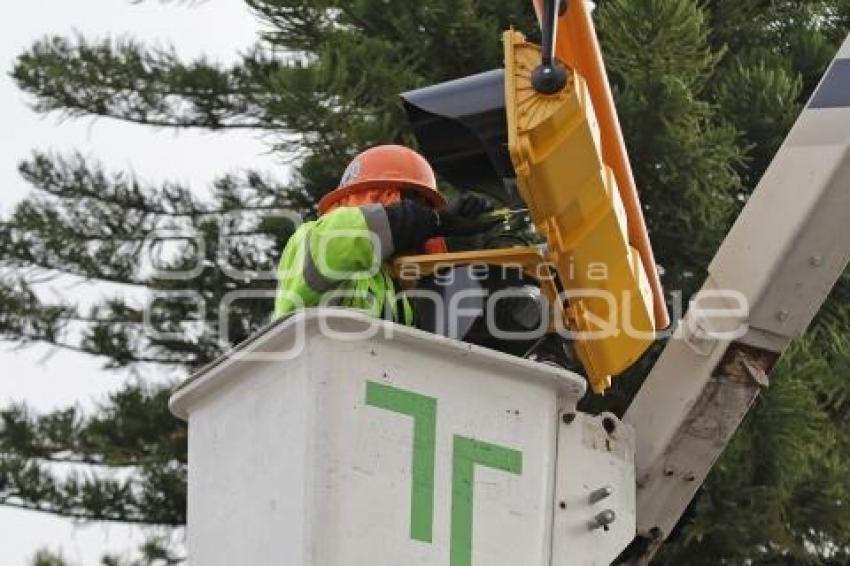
(578, 48)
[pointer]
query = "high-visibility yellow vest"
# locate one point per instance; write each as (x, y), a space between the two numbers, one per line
(338, 260)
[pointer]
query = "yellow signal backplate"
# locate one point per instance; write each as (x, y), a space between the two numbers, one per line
(574, 202)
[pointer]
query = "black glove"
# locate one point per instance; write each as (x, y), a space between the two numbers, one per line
(465, 216)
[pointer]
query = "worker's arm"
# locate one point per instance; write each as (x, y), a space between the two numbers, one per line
(411, 224)
(353, 242)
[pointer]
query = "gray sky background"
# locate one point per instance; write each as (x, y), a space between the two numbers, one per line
(48, 380)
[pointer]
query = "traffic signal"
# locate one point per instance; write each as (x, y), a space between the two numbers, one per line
(555, 144)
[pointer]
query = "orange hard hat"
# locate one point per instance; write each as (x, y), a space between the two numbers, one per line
(386, 167)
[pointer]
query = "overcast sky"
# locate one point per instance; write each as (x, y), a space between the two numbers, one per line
(48, 380)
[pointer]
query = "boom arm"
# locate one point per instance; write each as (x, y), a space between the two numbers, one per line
(780, 260)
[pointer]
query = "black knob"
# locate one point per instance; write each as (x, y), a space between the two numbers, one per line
(549, 79)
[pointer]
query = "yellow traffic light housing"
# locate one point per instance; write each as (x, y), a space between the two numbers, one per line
(578, 47)
(561, 152)
(575, 204)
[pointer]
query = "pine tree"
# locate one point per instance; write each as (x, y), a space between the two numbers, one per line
(706, 93)
(777, 495)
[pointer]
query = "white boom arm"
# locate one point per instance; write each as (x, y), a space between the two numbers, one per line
(783, 255)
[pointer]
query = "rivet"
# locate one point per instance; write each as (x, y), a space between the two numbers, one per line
(816, 261)
(782, 315)
(568, 418)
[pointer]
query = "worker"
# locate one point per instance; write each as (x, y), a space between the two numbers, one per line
(387, 204)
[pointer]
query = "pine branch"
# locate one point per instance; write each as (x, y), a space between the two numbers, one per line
(133, 428)
(153, 497)
(125, 81)
(105, 227)
(112, 364)
(25, 319)
(78, 181)
(122, 80)
(115, 517)
(294, 26)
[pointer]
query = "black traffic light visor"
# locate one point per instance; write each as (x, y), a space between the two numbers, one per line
(462, 130)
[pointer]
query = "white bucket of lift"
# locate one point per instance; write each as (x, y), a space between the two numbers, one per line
(333, 439)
